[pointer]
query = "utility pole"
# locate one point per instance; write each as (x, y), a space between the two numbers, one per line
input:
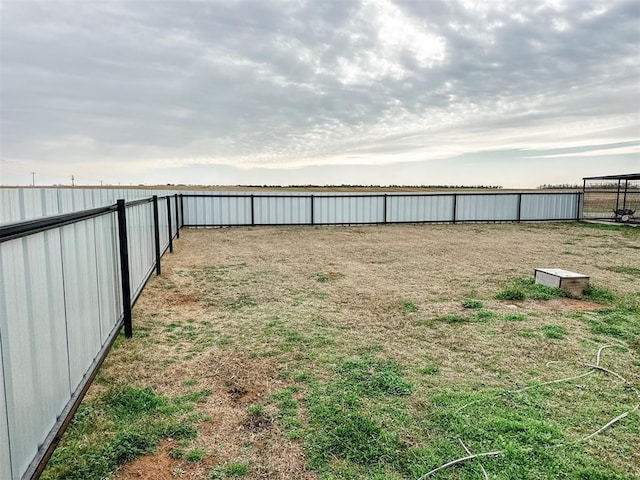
(33, 179)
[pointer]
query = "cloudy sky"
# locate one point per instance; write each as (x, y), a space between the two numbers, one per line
(512, 93)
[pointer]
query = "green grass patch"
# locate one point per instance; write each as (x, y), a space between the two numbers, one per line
(452, 318)
(241, 301)
(117, 427)
(525, 288)
(195, 455)
(409, 307)
(617, 322)
(557, 332)
(472, 303)
(231, 470)
(484, 315)
(598, 295)
(515, 317)
(431, 369)
(626, 269)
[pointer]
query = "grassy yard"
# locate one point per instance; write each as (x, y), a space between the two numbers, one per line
(373, 353)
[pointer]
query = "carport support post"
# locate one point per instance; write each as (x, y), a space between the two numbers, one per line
(124, 267)
(156, 233)
(169, 224)
(618, 196)
(624, 197)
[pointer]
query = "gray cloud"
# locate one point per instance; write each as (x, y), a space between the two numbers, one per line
(293, 83)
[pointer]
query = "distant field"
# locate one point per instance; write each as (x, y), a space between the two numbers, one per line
(372, 353)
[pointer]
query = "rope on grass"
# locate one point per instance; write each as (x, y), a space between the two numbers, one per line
(496, 453)
(484, 472)
(603, 428)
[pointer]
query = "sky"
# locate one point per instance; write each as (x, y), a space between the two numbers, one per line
(269, 92)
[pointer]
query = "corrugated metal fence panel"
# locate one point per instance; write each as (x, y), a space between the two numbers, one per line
(227, 210)
(560, 206)
(141, 245)
(486, 207)
(280, 210)
(164, 224)
(5, 457)
(108, 270)
(34, 345)
(348, 210)
(19, 204)
(81, 296)
(420, 208)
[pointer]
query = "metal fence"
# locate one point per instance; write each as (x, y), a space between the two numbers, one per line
(225, 210)
(18, 204)
(67, 285)
(68, 281)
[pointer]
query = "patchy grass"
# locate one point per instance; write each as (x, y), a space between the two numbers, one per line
(117, 427)
(286, 374)
(626, 269)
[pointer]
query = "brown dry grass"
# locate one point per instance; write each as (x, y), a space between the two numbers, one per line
(241, 311)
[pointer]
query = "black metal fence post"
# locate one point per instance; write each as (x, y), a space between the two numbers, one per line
(579, 202)
(156, 232)
(455, 206)
(384, 208)
(253, 214)
(169, 224)
(312, 212)
(181, 210)
(124, 267)
(177, 217)
(519, 206)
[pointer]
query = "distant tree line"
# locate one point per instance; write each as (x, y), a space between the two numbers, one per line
(346, 185)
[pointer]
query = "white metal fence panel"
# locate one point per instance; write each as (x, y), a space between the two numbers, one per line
(34, 350)
(5, 454)
(545, 206)
(60, 303)
(226, 210)
(163, 223)
(486, 207)
(81, 296)
(420, 208)
(141, 245)
(280, 210)
(19, 204)
(108, 270)
(348, 210)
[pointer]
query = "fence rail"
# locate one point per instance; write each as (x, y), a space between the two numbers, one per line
(67, 285)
